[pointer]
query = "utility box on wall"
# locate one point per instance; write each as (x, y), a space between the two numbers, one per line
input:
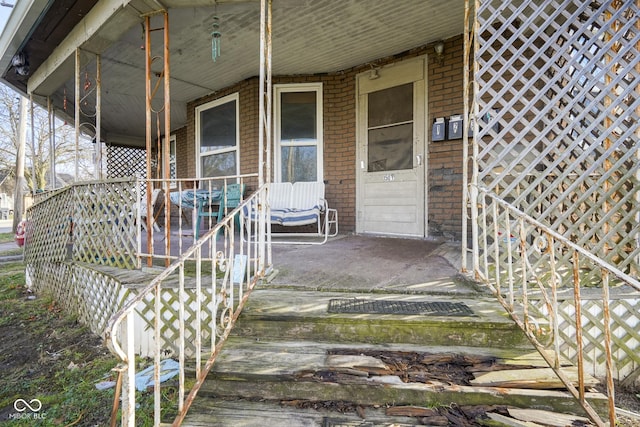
(439, 129)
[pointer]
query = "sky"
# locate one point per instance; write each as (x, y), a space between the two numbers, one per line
(5, 12)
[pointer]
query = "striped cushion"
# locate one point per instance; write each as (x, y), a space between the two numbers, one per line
(277, 215)
(294, 204)
(294, 217)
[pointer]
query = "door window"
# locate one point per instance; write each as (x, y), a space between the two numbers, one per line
(390, 129)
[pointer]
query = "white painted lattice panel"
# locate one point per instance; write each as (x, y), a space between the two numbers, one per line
(625, 321)
(558, 99)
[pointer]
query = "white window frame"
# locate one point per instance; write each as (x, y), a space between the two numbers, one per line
(319, 144)
(172, 147)
(212, 104)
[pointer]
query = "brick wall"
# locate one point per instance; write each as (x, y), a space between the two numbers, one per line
(183, 147)
(444, 180)
(445, 158)
(340, 146)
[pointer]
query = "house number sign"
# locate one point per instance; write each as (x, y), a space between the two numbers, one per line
(389, 178)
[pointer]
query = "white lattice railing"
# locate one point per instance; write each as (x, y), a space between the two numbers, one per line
(94, 222)
(194, 327)
(49, 226)
(554, 302)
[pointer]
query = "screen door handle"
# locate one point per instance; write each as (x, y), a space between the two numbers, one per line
(419, 159)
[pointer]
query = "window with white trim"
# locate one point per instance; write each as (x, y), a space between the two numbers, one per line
(173, 169)
(217, 136)
(298, 132)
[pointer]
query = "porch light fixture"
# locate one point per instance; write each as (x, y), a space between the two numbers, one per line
(439, 49)
(20, 63)
(374, 71)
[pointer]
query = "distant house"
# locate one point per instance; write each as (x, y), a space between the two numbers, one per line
(6, 194)
(6, 182)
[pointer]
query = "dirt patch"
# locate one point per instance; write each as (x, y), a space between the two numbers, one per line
(49, 361)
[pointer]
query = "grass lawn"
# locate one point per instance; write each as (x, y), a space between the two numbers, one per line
(46, 354)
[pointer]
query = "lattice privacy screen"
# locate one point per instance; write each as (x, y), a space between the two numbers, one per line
(557, 103)
(124, 162)
(104, 226)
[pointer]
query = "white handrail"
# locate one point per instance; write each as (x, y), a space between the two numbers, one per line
(510, 248)
(228, 298)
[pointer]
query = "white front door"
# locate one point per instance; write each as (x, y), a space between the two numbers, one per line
(391, 150)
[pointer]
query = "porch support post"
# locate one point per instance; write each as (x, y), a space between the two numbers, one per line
(468, 36)
(98, 146)
(268, 125)
(77, 115)
(166, 152)
(268, 93)
(147, 91)
(473, 186)
(51, 121)
(264, 129)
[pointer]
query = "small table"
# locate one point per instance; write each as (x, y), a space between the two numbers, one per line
(196, 200)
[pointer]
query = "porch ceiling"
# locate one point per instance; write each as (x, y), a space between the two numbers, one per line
(308, 37)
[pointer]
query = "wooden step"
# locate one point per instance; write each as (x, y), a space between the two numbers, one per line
(240, 412)
(303, 315)
(248, 413)
(308, 371)
(291, 362)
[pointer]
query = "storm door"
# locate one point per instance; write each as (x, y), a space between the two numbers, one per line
(391, 150)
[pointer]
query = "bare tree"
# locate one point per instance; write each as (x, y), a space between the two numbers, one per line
(38, 147)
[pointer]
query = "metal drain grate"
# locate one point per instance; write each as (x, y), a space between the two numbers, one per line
(428, 308)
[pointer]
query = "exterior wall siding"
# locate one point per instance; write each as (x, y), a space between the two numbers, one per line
(182, 152)
(445, 158)
(339, 95)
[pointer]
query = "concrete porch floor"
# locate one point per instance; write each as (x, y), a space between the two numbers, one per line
(359, 263)
(372, 264)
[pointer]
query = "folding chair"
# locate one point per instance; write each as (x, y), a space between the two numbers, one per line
(230, 200)
(144, 211)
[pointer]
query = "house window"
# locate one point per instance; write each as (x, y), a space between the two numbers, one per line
(298, 132)
(217, 134)
(173, 170)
